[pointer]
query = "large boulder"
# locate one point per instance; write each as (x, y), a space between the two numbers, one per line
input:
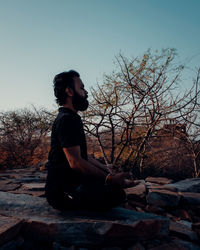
(116, 227)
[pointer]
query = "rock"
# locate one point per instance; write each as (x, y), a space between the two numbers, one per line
(6, 185)
(9, 228)
(184, 245)
(190, 198)
(137, 192)
(116, 227)
(20, 204)
(186, 223)
(196, 228)
(34, 186)
(163, 198)
(150, 185)
(6, 176)
(181, 231)
(158, 180)
(187, 185)
(92, 232)
(181, 213)
(30, 179)
(25, 191)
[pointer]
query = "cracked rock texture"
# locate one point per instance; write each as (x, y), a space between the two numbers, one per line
(159, 214)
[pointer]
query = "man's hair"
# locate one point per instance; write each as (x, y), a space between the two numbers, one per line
(61, 82)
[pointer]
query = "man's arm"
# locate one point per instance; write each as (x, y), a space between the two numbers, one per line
(99, 165)
(80, 165)
(77, 163)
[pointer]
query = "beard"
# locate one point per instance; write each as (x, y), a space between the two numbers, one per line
(80, 103)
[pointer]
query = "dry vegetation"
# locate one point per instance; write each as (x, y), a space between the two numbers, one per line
(138, 119)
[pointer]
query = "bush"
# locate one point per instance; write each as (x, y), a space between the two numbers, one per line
(21, 133)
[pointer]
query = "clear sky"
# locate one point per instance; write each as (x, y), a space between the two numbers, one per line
(40, 38)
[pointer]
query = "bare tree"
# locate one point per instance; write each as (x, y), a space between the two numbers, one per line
(133, 102)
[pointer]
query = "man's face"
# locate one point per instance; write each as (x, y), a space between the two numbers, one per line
(79, 100)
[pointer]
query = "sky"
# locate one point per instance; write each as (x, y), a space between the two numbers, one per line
(40, 38)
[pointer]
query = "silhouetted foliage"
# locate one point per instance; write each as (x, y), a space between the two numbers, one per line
(21, 133)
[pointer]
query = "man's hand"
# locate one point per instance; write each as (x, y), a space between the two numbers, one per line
(124, 180)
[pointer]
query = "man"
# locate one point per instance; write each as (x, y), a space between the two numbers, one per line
(74, 181)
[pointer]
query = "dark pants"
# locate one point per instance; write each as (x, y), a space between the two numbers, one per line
(90, 196)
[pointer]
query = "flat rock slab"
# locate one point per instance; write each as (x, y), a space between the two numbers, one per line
(163, 198)
(6, 185)
(9, 228)
(81, 228)
(150, 185)
(34, 186)
(187, 185)
(158, 180)
(30, 192)
(30, 179)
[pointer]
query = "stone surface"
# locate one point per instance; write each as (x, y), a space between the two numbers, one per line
(163, 198)
(45, 228)
(184, 245)
(9, 228)
(150, 185)
(23, 205)
(30, 192)
(190, 198)
(119, 226)
(182, 231)
(29, 179)
(6, 185)
(158, 180)
(34, 186)
(137, 192)
(187, 185)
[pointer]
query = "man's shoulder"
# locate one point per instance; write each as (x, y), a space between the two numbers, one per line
(66, 117)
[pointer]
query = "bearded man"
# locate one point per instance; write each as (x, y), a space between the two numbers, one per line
(75, 181)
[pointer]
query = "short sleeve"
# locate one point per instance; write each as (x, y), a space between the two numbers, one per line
(68, 131)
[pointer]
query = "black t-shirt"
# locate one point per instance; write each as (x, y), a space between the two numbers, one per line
(67, 131)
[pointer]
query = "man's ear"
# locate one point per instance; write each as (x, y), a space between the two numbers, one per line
(69, 91)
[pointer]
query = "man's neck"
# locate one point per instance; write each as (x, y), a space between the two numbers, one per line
(69, 107)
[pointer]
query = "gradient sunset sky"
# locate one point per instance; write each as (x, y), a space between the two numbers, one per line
(40, 38)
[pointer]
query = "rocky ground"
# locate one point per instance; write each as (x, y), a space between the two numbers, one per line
(159, 214)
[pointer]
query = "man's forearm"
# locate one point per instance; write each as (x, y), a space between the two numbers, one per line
(98, 165)
(83, 166)
(89, 169)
